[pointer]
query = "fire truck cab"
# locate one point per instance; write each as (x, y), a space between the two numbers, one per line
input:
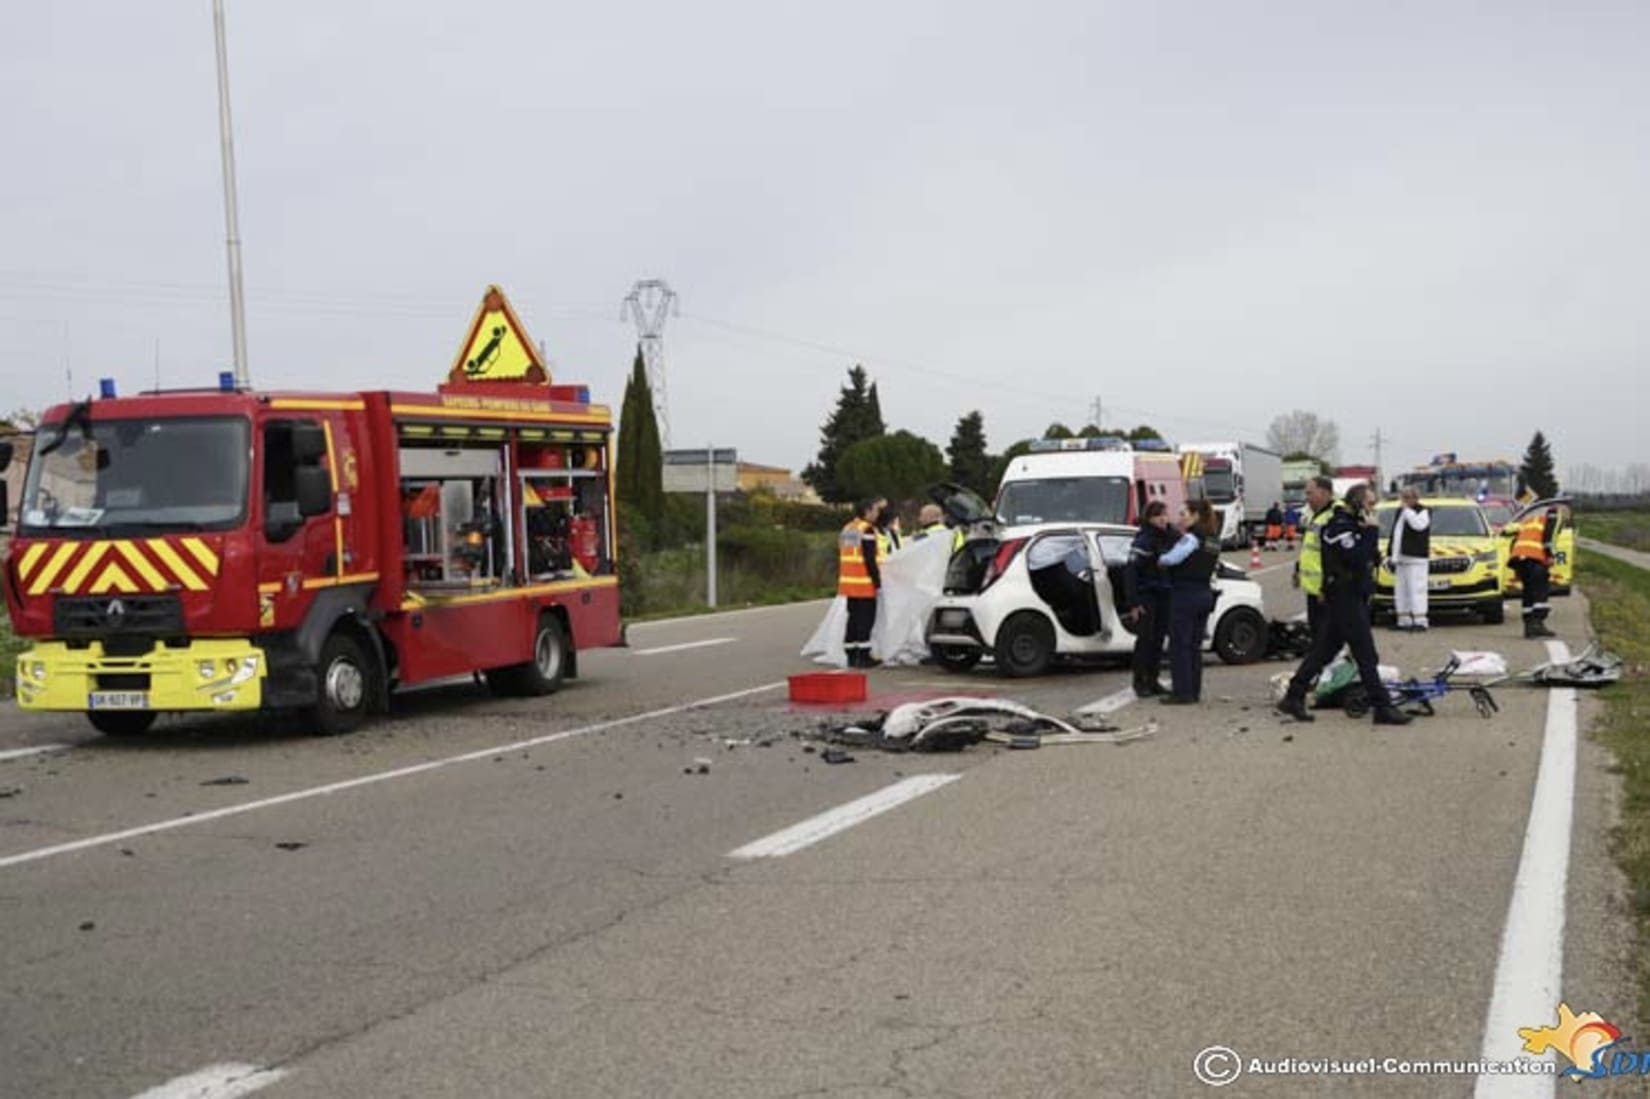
(227, 550)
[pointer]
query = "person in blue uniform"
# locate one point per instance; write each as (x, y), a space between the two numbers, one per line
(1146, 590)
(1191, 565)
(1351, 547)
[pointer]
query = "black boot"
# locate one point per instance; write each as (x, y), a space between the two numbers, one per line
(1294, 705)
(1391, 715)
(1535, 628)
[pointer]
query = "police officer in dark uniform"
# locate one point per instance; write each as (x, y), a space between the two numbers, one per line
(1351, 545)
(1146, 591)
(1191, 563)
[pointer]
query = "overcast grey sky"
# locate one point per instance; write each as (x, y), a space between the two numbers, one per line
(1425, 217)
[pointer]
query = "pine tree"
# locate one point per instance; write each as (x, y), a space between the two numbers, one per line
(970, 464)
(857, 416)
(1536, 471)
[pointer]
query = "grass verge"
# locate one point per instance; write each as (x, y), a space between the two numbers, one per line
(1619, 598)
(1619, 528)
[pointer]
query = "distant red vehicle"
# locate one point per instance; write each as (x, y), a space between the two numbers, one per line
(226, 550)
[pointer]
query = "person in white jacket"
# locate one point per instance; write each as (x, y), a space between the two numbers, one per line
(1410, 552)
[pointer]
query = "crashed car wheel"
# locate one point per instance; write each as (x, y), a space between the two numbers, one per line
(1240, 637)
(1025, 645)
(956, 658)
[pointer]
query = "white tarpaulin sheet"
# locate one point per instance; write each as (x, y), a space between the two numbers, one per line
(911, 581)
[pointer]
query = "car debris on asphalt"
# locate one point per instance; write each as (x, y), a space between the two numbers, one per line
(951, 724)
(1595, 667)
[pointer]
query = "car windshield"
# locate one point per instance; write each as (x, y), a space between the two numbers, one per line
(1219, 485)
(170, 474)
(1497, 514)
(1448, 521)
(1065, 500)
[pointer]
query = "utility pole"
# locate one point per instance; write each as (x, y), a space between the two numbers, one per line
(231, 212)
(1097, 414)
(1376, 443)
(649, 304)
(710, 525)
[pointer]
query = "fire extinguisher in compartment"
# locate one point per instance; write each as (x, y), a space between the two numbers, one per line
(586, 542)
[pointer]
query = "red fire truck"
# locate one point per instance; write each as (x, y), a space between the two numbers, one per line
(227, 550)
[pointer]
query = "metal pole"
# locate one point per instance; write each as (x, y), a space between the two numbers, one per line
(710, 528)
(231, 212)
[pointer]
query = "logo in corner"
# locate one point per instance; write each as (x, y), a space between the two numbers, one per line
(1585, 1040)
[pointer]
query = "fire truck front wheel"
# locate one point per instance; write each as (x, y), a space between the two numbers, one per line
(544, 673)
(346, 686)
(121, 722)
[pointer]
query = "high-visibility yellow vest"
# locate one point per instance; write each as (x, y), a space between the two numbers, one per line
(852, 578)
(1530, 541)
(1311, 559)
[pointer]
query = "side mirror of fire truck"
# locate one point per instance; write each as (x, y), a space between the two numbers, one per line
(314, 490)
(309, 444)
(5, 454)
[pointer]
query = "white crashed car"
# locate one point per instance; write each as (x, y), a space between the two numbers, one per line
(1029, 595)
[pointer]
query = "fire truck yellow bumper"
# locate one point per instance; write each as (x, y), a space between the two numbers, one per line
(216, 674)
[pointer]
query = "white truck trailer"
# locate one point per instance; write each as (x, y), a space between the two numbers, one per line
(1242, 480)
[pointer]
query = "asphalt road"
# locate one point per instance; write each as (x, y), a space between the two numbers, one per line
(487, 898)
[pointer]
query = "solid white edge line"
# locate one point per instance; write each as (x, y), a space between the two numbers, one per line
(1530, 970)
(19, 753)
(683, 646)
(367, 780)
(225, 1081)
(809, 832)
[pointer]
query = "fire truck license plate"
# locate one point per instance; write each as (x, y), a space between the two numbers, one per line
(119, 700)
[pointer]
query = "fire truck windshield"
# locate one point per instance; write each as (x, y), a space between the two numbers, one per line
(151, 475)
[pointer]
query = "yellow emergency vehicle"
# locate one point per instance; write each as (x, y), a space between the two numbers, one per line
(1467, 566)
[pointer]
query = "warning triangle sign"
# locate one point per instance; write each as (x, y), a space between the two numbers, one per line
(497, 348)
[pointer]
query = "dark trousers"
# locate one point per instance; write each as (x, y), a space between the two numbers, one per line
(1345, 622)
(862, 615)
(1536, 579)
(1150, 631)
(1314, 614)
(1189, 610)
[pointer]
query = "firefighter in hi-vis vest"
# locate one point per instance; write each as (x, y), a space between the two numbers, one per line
(858, 578)
(1532, 559)
(1320, 503)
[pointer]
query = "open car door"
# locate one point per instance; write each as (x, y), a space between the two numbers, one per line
(1564, 544)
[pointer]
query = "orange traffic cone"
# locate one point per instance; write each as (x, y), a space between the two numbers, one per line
(1254, 556)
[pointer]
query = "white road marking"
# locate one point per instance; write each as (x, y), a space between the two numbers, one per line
(226, 1081)
(829, 823)
(19, 753)
(713, 615)
(1530, 970)
(367, 780)
(682, 646)
(1110, 704)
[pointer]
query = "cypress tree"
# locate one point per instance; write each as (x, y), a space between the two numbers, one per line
(970, 464)
(1536, 471)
